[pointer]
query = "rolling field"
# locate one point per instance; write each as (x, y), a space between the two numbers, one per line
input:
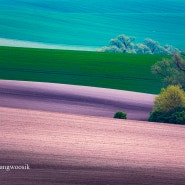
(82, 150)
(73, 99)
(107, 70)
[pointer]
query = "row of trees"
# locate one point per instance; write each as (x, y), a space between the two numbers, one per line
(126, 44)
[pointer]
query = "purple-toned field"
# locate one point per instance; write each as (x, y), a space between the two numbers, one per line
(74, 99)
(73, 149)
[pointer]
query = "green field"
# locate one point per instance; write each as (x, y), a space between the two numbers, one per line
(109, 70)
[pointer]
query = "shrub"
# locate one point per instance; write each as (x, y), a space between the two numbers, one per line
(176, 116)
(120, 115)
(156, 116)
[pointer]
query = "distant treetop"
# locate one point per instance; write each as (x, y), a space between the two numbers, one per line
(125, 44)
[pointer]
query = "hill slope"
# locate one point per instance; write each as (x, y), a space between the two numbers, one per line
(75, 99)
(71, 149)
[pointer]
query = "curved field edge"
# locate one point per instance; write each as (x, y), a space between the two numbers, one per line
(130, 72)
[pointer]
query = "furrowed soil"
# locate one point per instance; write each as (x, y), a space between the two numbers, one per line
(73, 149)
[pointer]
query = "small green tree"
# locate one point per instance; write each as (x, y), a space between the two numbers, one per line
(169, 99)
(120, 115)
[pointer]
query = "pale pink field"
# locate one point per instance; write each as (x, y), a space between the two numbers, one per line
(73, 149)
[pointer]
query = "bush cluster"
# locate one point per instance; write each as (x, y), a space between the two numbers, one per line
(176, 116)
(120, 115)
(169, 106)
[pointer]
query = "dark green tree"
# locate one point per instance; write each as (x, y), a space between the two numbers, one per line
(120, 115)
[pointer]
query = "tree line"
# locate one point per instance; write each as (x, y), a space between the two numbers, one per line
(126, 44)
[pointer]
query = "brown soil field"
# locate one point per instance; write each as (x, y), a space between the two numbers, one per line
(73, 149)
